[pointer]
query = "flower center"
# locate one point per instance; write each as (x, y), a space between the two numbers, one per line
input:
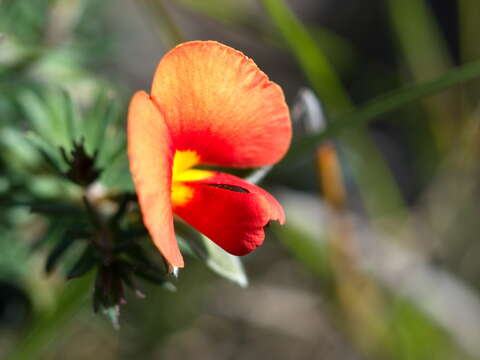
(182, 172)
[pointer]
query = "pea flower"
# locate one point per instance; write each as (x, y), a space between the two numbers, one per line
(209, 105)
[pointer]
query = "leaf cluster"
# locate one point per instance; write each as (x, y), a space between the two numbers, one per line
(65, 189)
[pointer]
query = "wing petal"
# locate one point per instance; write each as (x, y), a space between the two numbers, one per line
(229, 211)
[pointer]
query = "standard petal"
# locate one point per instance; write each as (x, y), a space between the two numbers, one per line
(217, 102)
(150, 152)
(229, 211)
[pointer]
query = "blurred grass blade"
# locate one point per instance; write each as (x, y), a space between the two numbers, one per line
(48, 325)
(339, 51)
(469, 13)
(167, 27)
(312, 61)
(422, 45)
(225, 11)
(387, 103)
(224, 264)
(427, 57)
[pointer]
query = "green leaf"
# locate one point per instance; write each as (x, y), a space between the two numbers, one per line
(225, 264)
(51, 154)
(14, 255)
(71, 117)
(56, 228)
(24, 19)
(55, 102)
(84, 264)
(116, 175)
(196, 244)
(38, 114)
(190, 240)
(56, 209)
(18, 151)
(104, 112)
(150, 274)
(59, 251)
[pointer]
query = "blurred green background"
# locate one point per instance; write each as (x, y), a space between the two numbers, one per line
(379, 258)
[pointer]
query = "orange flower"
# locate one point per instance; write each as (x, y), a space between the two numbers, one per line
(209, 104)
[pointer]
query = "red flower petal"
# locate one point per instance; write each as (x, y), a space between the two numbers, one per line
(217, 102)
(230, 211)
(151, 155)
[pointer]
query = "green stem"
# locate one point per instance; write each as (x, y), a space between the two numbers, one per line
(385, 104)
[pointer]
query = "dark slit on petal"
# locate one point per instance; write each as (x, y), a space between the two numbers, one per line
(230, 187)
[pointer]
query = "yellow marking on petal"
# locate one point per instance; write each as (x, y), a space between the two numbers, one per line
(184, 160)
(181, 194)
(182, 172)
(193, 175)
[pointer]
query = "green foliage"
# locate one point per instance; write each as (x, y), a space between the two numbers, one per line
(67, 203)
(218, 260)
(24, 19)
(415, 336)
(60, 148)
